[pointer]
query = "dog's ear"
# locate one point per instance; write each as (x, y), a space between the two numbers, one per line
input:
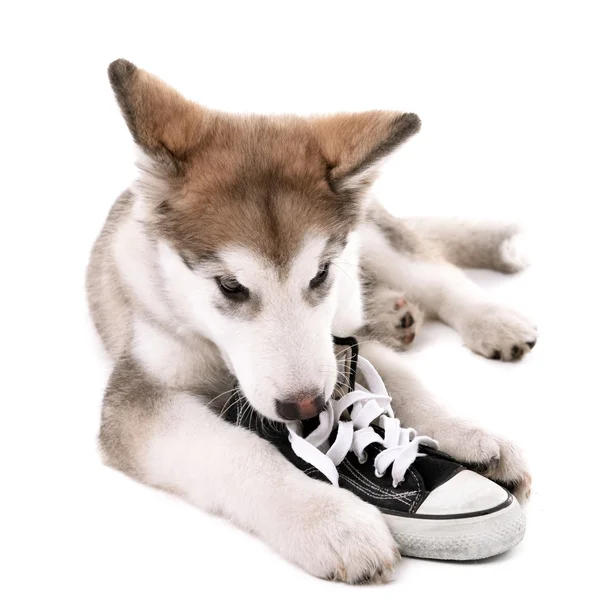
(162, 122)
(354, 145)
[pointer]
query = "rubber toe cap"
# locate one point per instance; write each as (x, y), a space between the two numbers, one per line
(466, 492)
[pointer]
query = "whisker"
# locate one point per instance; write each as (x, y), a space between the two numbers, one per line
(344, 272)
(233, 389)
(236, 400)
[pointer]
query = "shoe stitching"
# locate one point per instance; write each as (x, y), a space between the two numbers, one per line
(383, 495)
(373, 488)
(412, 506)
(400, 499)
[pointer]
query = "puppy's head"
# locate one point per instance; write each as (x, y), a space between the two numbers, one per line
(253, 219)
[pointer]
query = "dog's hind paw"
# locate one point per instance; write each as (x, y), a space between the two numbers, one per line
(393, 320)
(498, 333)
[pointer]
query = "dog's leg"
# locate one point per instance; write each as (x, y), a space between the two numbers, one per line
(473, 244)
(415, 407)
(443, 291)
(171, 440)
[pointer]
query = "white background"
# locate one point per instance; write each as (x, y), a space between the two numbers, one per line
(508, 96)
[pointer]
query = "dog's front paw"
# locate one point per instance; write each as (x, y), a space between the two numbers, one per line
(334, 535)
(511, 470)
(468, 444)
(487, 454)
(498, 333)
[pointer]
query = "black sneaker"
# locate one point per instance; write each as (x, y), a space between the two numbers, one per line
(434, 506)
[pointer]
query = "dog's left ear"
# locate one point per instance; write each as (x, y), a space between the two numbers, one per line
(354, 145)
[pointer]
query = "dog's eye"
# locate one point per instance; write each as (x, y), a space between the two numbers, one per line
(231, 288)
(320, 277)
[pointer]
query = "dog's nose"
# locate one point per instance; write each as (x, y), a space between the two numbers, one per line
(300, 406)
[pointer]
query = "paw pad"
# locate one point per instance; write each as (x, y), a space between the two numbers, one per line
(406, 321)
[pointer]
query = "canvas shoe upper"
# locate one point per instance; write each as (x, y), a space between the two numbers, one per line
(435, 507)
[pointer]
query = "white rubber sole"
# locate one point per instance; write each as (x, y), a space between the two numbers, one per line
(471, 538)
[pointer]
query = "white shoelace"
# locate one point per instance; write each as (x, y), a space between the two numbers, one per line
(366, 406)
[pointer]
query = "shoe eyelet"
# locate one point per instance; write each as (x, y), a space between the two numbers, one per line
(362, 458)
(378, 473)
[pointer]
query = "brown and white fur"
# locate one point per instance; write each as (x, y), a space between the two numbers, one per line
(267, 203)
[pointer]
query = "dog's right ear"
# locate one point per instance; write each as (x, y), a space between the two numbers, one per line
(162, 122)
